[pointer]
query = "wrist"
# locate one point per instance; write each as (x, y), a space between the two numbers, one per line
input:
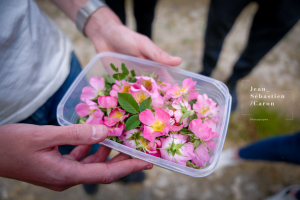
(99, 21)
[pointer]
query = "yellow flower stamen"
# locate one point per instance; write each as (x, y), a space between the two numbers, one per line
(204, 110)
(117, 114)
(126, 89)
(179, 90)
(158, 125)
(147, 84)
(141, 97)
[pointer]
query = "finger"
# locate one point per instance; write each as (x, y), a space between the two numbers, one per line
(107, 173)
(80, 151)
(118, 158)
(100, 156)
(79, 134)
(153, 52)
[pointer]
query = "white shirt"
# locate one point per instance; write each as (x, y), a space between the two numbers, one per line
(34, 59)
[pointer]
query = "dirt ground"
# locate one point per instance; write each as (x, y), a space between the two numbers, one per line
(179, 29)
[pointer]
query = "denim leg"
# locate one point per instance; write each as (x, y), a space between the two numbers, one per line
(46, 114)
(271, 23)
(221, 17)
(282, 148)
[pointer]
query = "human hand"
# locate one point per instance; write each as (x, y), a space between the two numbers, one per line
(30, 153)
(107, 32)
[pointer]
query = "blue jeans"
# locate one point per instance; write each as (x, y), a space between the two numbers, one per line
(280, 148)
(46, 114)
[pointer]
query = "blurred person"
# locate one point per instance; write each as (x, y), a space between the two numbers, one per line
(271, 22)
(143, 13)
(276, 149)
(37, 67)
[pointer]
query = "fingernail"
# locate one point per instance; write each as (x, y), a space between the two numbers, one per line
(148, 167)
(98, 131)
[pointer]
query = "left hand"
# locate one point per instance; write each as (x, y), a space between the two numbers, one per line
(107, 32)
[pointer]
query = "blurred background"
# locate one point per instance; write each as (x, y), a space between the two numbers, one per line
(179, 28)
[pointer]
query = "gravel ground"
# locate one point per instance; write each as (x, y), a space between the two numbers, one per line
(179, 29)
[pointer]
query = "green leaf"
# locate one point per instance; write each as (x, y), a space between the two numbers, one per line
(128, 103)
(125, 70)
(185, 130)
(132, 73)
(114, 68)
(108, 79)
(119, 76)
(192, 117)
(132, 122)
(192, 102)
(145, 104)
(186, 114)
(190, 164)
(132, 80)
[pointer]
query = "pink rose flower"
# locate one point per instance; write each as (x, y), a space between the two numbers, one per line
(115, 116)
(120, 86)
(202, 155)
(134, 139)
(211, 124)
(177, 91)
(148, 83)
(139, 94)
(155, 126)
(164, 86)
(175, 149)
(116, 130)
(181, 106)
(128, 138)
(90, 109)
(157, 101)
(201, 130)
(205, 106)
(97, 89)
(107, 102)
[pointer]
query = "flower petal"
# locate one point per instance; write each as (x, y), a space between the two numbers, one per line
(82, 109)
(146, 117)
(88, 93)
(98, 84)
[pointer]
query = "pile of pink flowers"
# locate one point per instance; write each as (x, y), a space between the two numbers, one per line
(175, 123)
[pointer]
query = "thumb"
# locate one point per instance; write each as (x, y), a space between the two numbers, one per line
(153, 52)
(78, 134)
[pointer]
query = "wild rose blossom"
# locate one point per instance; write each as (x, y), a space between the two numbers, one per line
(108, 102)
(148, 83)
(120, 86)
(116, 130)
(176, 149)
(201, 130)
(177, 91)
(97, 89)
(115, 116)
(165, 128)
(139, 94)
(90, 109)
(155, 125)
(205, 106)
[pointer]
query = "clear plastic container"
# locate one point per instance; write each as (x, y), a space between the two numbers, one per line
(100, 65)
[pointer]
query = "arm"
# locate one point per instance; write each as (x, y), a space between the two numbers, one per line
(107, 33)
(30, 153)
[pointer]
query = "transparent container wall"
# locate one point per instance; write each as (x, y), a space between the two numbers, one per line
(100, 65)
